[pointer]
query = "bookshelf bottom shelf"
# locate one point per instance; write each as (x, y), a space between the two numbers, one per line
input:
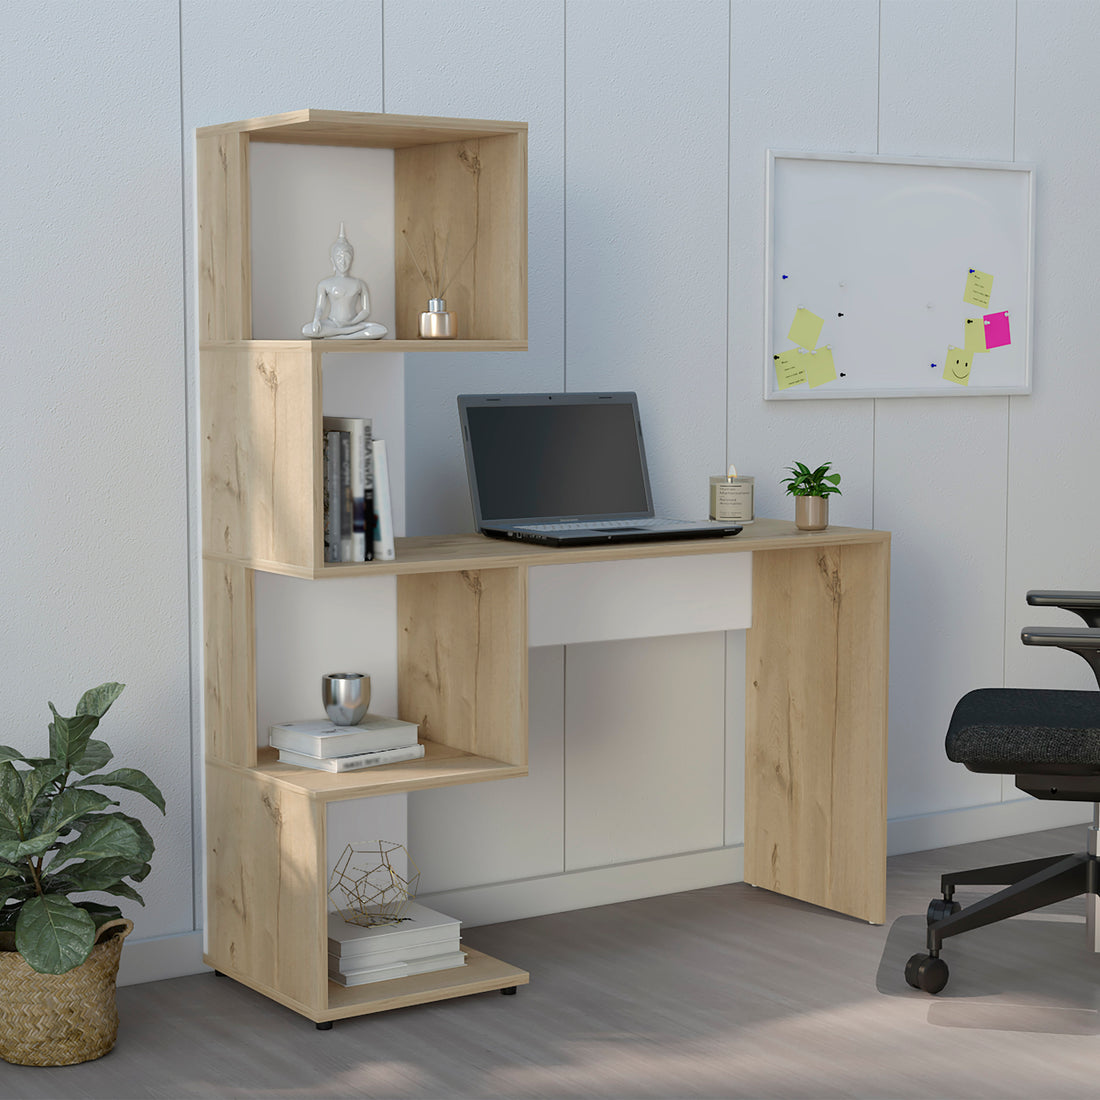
(481, 974)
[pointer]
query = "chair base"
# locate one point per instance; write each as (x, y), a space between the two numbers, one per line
(1029, 885)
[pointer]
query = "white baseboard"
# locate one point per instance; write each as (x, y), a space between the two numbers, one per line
(534, 897)
(1020, 815)
(161, 957)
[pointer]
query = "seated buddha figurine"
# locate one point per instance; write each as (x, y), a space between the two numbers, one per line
(343, 303)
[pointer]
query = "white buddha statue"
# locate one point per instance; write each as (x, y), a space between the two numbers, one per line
(343, 303)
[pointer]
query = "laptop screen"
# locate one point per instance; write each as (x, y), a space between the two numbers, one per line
(554, 456)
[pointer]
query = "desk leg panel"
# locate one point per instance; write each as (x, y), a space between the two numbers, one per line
(815, 744)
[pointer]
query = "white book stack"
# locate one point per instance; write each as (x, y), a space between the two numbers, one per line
(327, 747)
(423, 941)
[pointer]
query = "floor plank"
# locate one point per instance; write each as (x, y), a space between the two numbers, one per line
(724, 992)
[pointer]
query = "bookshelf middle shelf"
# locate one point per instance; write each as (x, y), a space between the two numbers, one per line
(441, 766)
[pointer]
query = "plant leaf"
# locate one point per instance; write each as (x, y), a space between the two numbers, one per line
(12, 851)
(96, 755)
(53, 935)
(107, 837)
(69, 737)
(15, 891)
(10, 754)
(129, 779)
(71, 804)
(100, 913)
(97, 701)
(96, 874)
(35, 783)
(11, 802)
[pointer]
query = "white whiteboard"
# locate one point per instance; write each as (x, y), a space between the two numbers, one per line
(870, 264)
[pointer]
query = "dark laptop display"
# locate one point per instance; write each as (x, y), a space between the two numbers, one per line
(563, 469)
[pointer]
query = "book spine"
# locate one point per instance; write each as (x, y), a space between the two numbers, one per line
(352, 763)
(332, 495)
(346, 509)
(368, 491)
(383, 531)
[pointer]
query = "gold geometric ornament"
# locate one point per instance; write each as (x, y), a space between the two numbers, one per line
(366, 887)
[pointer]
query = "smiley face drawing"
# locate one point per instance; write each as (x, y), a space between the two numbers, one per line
(957, 367)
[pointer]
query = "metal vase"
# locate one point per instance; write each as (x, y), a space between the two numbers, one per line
(346, 696)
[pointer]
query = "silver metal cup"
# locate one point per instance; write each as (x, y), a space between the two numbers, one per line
(346, 696)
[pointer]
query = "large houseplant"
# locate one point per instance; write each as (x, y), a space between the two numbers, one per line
(811, 490)
(60, 839)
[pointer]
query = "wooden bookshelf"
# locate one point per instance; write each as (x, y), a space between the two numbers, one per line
(262, 505)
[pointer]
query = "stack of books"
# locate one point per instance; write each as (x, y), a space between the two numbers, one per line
(422, 941)
(323, 745)
(358, 514)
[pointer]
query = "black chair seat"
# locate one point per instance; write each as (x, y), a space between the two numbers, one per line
(1014, 730)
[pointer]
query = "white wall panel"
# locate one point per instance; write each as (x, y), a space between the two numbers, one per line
(803, 77)
(93, 496)
(646, 224)
(941, 480)
(645, 748)
(1053, 527)
(483, 59)
(948, 70)
(508, 830)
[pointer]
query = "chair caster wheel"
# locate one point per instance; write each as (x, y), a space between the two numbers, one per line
(938, 908)
(926, 973)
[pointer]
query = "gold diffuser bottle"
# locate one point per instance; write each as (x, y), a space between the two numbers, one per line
(437, 322)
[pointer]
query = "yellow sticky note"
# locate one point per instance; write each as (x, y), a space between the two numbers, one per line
(979, 286)
(820, 367)
(805, 328)
(789, 369)
(975, 334)
(957, 367)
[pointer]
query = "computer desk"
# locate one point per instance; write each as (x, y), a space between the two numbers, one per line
(816, 613)
(816, 684)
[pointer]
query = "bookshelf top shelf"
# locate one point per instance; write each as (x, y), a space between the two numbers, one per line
(337, 347)
(362, 129)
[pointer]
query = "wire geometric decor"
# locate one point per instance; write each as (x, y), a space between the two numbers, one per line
(367, 889)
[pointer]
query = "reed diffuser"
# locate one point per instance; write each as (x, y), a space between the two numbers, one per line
(437, 322)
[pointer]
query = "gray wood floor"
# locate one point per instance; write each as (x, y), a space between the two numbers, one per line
(725, 992)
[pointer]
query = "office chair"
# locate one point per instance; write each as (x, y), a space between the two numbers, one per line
(1050, 740)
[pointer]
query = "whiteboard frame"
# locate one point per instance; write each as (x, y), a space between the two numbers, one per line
(831, 392)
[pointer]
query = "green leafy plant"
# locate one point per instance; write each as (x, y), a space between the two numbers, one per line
(58, 837)
(805, 482)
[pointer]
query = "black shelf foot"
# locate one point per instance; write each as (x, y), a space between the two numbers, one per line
(325, 1026)
(511, 991)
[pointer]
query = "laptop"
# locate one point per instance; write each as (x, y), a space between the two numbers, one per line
(564, 469)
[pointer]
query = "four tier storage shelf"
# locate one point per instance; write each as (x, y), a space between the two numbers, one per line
(462, 655)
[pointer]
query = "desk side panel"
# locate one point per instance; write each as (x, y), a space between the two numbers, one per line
(815, 799)
(266, 881)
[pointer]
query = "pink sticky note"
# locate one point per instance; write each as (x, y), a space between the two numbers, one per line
(996, 330)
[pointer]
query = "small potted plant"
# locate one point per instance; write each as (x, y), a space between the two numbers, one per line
(811, 490)
(59, 838)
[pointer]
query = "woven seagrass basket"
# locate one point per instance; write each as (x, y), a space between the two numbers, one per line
(60, 1019)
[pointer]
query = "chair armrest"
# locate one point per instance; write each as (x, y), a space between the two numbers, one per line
(1082, 640)
(1085, 604)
